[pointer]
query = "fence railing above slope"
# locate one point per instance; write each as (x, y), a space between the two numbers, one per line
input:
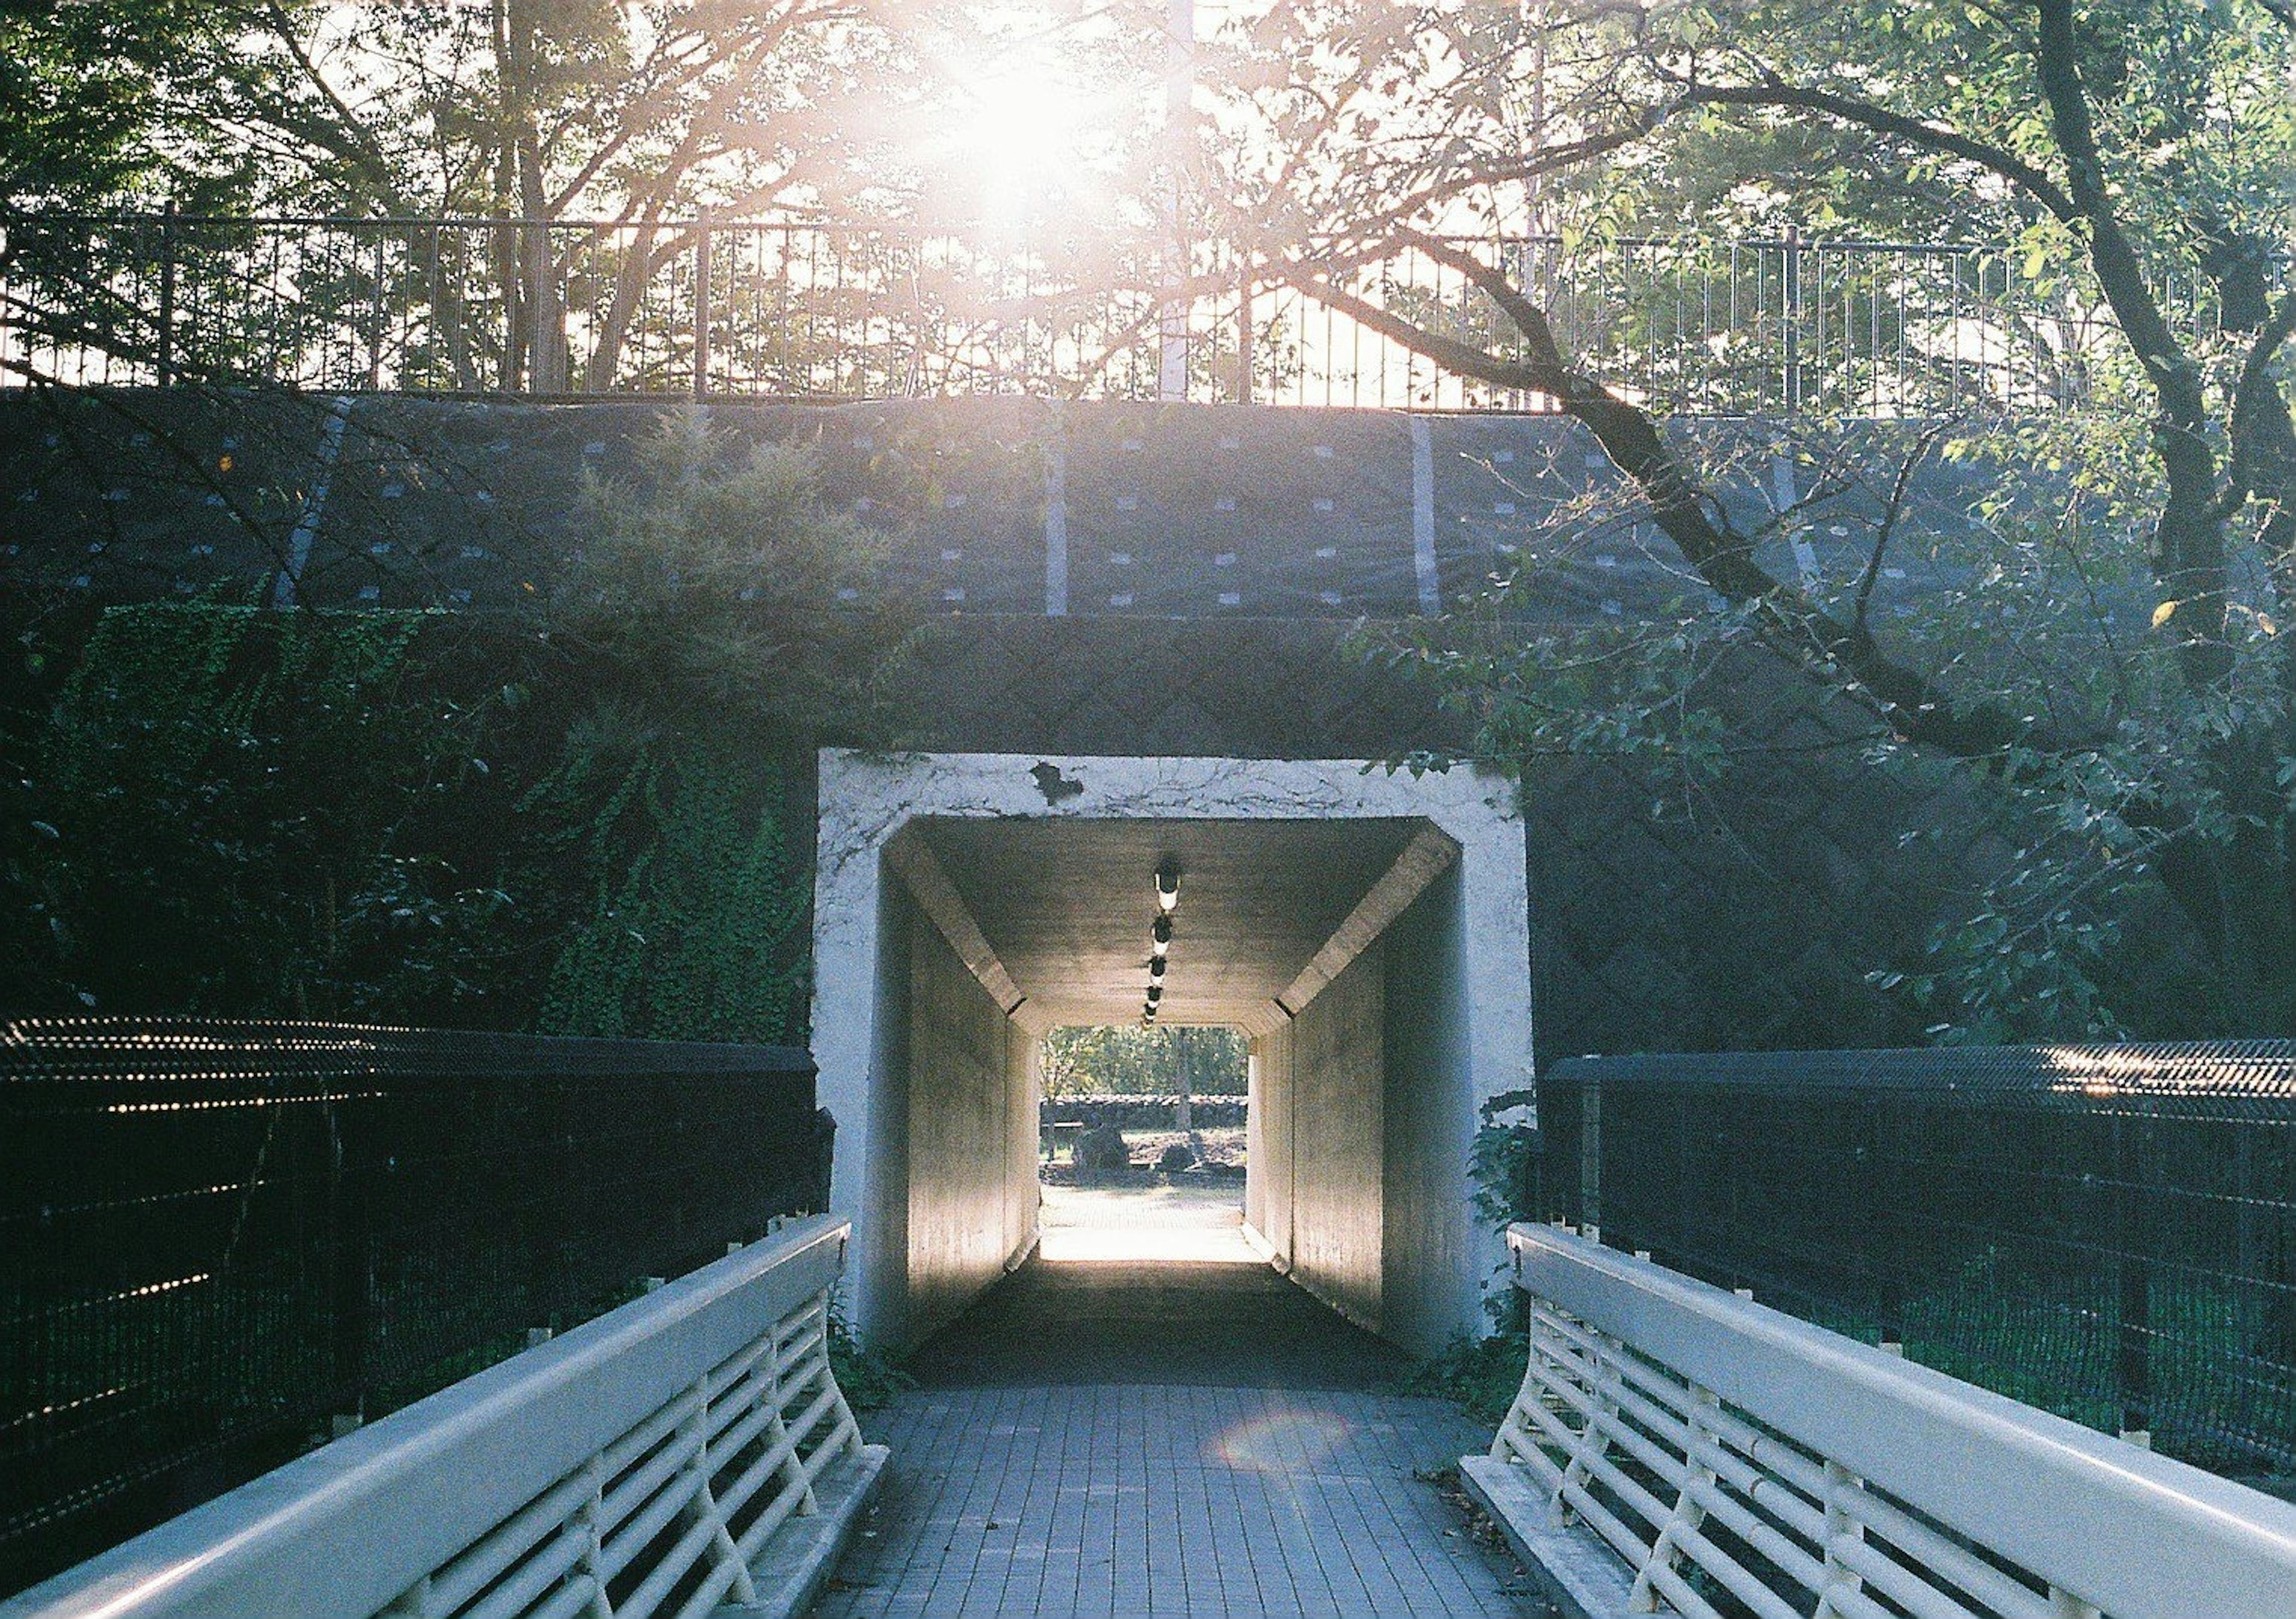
(219, 1240)
(1733, 1460)
(689, 1453)
(728, 308)
(2108, 1232)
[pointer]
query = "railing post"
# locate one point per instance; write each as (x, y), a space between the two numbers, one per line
(2135, 1358)
(1590, 1158)
(1791, 295)
(167, 333)
(350, 1280)
(702, 311)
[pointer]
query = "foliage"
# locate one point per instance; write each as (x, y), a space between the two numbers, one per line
(1130, 1060)
(217, 822)
(2097, 642)
(86, 89)
(697, 922)
(579, 821)
(871, 1377)
(1480, 1375)
(712, 578)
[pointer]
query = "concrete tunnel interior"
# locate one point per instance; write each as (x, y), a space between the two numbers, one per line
(1367, 930)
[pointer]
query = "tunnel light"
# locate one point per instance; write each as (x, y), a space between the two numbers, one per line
(1167, 888)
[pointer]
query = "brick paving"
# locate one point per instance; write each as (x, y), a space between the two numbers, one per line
(1249, 1481)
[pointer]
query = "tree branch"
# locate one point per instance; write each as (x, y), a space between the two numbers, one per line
(1791, 624)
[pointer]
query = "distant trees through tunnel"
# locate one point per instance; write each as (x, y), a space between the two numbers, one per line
(1123, 1100)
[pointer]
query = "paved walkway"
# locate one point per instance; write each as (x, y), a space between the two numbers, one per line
(1116, 1439)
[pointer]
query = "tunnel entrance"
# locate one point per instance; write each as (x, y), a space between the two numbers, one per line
(1367, 932)
(1143, 1130)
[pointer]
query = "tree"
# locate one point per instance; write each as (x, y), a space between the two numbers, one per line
(85, 90)
(539, 111)
(2110, 148)
(1129, 1061)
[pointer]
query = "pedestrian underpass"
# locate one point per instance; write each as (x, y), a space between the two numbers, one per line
(1367, 930)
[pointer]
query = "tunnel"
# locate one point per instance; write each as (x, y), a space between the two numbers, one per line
(1366, 929)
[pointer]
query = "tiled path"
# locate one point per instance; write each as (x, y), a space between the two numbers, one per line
(1114, 1439)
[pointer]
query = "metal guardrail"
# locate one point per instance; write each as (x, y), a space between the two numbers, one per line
(1736, 1460)
(219, 1240)
(689, 1450)
(2105, 1231)
(722, 308)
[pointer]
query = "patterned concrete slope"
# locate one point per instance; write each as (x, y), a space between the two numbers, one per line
(1003, 506)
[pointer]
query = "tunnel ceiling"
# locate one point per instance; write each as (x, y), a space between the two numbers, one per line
(1068, 904)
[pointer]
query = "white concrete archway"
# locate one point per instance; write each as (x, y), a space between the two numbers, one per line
(1369, 930)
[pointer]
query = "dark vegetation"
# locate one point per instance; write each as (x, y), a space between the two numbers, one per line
(591, 819)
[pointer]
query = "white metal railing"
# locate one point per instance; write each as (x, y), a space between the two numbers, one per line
(656, 1460)
(1717, 1447)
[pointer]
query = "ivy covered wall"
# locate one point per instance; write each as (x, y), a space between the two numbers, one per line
(403, 817)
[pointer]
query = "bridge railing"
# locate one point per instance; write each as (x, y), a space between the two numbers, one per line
(726, 308)
(2107, 1232)
(692, 1449)
(219, 1240)
(1730, 1459)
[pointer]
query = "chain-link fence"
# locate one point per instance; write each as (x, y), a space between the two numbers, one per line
(219, 1240)
(2108, 1232)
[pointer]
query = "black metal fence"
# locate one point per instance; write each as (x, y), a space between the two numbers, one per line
(2108, 1232)
(219, 1240)
(769, 309)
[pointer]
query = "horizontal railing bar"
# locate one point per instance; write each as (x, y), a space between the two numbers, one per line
(1758, 1494)
(2139, 1535)
(351, 1526)
(1788, 1485)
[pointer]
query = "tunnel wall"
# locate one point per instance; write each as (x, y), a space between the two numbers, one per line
(1337, 1086)
(970, 1135)
(1268, 1145)
(1429, 1255)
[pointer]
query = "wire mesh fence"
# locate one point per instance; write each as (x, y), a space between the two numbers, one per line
(2108, 1232)
(757, 309)
(219, 1239)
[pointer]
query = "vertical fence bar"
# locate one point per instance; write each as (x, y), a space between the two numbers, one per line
(701, 290)
(1243, 337)
(350, 1283)
(165, 339)
(1789, 310)
(375, 317)
(2133, 1358)
(1590, 1157)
